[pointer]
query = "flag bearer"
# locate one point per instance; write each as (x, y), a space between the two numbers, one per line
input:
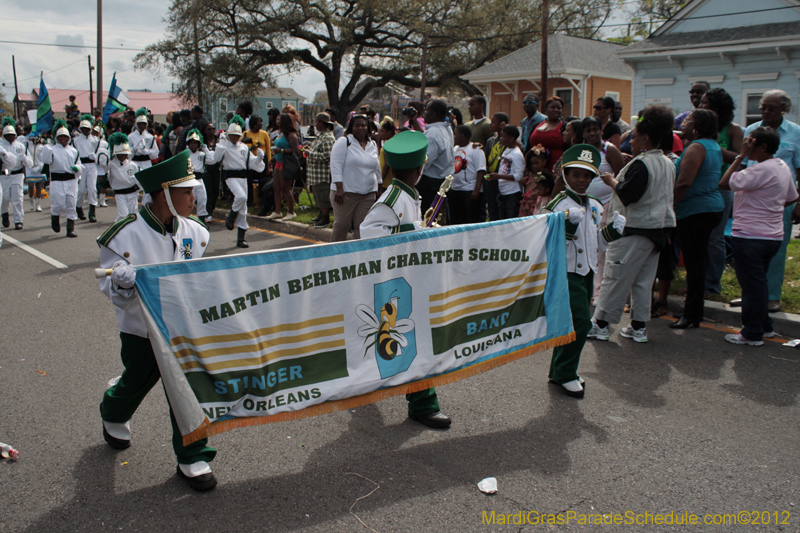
(102, 157)
(87, 144)
(236, 159)
(65, 172)
(163, 230)
(585, 238)
(200, 157)
(12, 178)
(397, 211)
(121, 175)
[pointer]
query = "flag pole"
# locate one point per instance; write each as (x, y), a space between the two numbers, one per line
(99, 56)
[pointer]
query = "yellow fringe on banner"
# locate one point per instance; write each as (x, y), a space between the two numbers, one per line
(208, 429)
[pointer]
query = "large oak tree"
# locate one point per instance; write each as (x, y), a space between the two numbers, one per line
(235, 46)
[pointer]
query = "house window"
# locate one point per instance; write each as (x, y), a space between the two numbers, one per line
(566, 95)
(752, 103)
(614, 95)
(223, 104)
(268, 105)
(287, 102)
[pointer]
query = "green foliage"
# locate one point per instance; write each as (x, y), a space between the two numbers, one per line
(234, 47)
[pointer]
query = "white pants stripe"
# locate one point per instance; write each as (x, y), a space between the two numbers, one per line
(238, 187)
(87, 186)
(62, 198)
(126, 204)
(201, 198)
(12, 194)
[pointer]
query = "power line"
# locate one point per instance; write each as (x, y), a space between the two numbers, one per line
(49, 72)
(74, 46)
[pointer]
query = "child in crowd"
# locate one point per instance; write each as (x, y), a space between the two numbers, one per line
(535, 162)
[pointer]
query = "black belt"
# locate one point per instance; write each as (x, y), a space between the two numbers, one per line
(238, 173)
(141, 158)
(129, 190)
(85, 160)
(20, 171)
(61, 176)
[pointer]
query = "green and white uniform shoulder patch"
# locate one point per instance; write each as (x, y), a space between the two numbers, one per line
(115, 228)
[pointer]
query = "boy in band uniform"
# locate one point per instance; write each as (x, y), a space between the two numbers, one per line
(65, 172)
(101, 161)
(585, 238)
(162, 231)
(7, 159)
(121, 175)
(200, 157)
(12, 178)
(236, 159)
(397, 211)
(87, 145)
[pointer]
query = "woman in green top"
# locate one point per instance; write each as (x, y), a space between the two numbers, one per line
(730, 143)
(698, 207)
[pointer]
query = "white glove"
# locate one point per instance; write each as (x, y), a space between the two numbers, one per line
(576, 214)
(124, 274)
(92, 157)
(617, 222)
(260, 153)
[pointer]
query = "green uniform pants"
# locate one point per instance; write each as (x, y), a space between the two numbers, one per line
(564, 365)
(140, 375)
(422, 402)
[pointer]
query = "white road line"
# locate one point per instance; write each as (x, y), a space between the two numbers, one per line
(37, 253)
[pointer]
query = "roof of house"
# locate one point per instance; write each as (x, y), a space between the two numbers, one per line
(711, 37)
(157, 103)
(565, 53)
(280, 92)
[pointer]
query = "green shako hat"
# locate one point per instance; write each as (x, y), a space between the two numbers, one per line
(176, 171)
(407, 149)
(582, 156)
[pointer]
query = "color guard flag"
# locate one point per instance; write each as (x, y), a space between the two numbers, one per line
(117, 100)
(264, 337)
(44, 113)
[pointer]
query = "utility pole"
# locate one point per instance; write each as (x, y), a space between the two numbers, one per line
(91, 92)
(545, 16)
(100, 56)
(424, 67)
(199, 71)
(16, 89)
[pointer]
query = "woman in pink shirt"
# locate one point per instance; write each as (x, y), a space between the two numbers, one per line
(762, 191)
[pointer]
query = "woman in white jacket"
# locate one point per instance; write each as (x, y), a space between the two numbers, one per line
(355, 174)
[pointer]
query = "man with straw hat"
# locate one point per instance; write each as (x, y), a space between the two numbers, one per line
(162, 231)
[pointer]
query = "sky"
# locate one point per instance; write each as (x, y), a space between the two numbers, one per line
(130, 25)
(126, 25)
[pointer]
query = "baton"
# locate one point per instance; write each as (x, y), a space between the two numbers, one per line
(100, 273)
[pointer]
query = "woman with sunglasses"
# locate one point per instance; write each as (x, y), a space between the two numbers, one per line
(775, 105)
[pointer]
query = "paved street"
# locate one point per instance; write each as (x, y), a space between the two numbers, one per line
(685, 424)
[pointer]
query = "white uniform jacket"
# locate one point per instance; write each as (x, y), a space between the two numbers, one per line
(8, 159)
(121, 173)
(585, 239)
(238, 156)
(140, 240)
(61, 158)
(201, 158)
(87, 147)
(20, 152)
(143, 145)
(102, 157)
(396, 211)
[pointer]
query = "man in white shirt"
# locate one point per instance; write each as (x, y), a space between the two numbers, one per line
(465, 193)
(509, 172)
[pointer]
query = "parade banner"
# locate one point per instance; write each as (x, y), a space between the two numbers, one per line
(271, 336)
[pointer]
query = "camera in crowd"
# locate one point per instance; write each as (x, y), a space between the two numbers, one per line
(410, 112)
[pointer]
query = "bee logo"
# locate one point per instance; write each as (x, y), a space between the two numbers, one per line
(186, 249)
(388, 330)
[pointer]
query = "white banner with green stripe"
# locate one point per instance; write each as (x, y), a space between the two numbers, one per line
(269, 336)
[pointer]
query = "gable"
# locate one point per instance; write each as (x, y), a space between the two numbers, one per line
(710, 15)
